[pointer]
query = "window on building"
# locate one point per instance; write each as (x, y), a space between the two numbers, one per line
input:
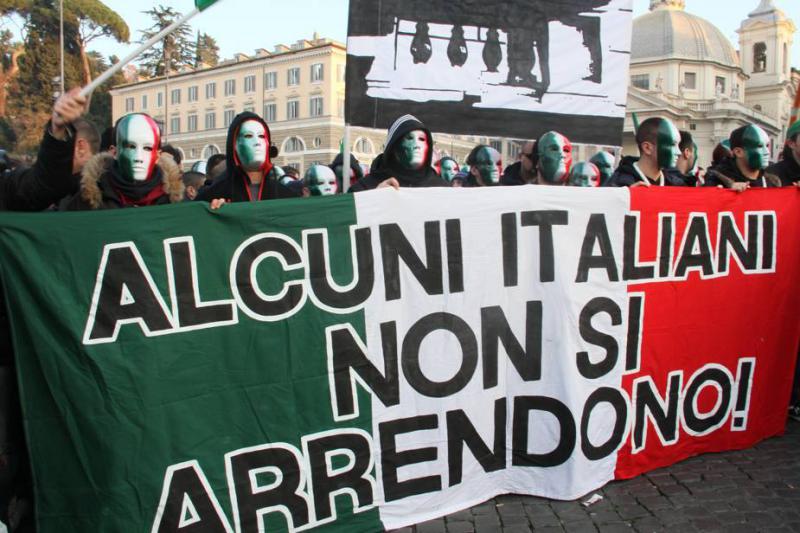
(228, 117)
(271, 112)
(316, 143)
(315, 106)
(690, 80)
(175, 125)
(641, 81)
(159, 99)
(293, 76)
(363, 146)
(129, 104)
(316, 72)
(270, 80)
(292, 109)
(144, 101)
(250, 83)
(191, 94)
(191, 123)
(514, 149)
(497, 145)
(211, 120)
(175, 96)
(719, 85)
(760, 57)
(230, 87)
(293, 144)
(692, 127)
(211, 90)
(210, 150)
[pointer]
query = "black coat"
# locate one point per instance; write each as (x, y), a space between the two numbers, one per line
(626, 175)
(787, 170)
(726, 173)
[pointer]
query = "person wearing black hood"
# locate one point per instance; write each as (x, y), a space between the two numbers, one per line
(746, 169)
(356, 173)
(250, 175)
(406, 161)
(788, 168)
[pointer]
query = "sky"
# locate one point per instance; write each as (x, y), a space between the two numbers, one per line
(245, 25)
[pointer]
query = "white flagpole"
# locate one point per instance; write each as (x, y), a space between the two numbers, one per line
(346, 159)
(102, 78)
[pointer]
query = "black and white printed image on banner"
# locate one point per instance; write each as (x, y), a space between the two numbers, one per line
(496, 67)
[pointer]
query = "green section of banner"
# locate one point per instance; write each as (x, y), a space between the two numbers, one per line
(105, 421)
(204, 4)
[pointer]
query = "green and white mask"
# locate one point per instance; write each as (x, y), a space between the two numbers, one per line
(555, 157)
(584, 174)
(667, 145)
(605, 164)
(320, 180)
(138, 141)
(756, 147)
(489, 165)
(412, 150)
(251, 145)
(448, 169)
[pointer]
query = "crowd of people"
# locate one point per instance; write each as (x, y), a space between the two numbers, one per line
(77, 168)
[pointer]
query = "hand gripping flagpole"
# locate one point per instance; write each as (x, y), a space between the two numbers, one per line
(201, 5)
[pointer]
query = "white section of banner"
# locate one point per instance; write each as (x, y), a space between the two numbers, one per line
(479, 212)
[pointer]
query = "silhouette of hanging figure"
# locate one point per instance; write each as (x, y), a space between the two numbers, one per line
(492, 53)
(457, 49)
(421, 49)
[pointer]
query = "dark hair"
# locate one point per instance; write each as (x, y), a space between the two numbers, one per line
(473, 155)
(737, 137)
(86, 130)
(687, 142)
(107, 139)
(291, 171)
(174, 152)
(720, 153)
(648, 131)
(193, 179)
(213, 161)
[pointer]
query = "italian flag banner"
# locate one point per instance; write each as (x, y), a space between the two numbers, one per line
(371, 361)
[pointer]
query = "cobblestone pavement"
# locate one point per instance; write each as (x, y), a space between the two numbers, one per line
(743, 491)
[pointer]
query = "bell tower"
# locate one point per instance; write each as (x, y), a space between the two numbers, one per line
(765, 44)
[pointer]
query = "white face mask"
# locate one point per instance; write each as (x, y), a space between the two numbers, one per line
(137, 147)
(251, 145)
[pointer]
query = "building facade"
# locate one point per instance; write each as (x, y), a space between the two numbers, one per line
(685, 69)
(298, 89)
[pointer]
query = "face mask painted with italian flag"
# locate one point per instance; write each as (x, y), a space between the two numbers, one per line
(412, 149)
(138, 142)
(756, 147)
(667, 145)
(449, 169)
(555, 157)
(584, 174)
(251, 145)
(489, 163)
(321, 181)
(605, 164)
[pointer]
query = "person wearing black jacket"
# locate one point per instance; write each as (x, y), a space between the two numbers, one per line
(250, 175)
(788, 168)
(523, 172)
(406, 160)
(746, 169)
(658, 140)
(135, 177)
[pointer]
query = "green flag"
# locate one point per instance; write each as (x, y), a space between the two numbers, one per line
(203, 4)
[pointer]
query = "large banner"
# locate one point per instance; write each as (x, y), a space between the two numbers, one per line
(376, 360)
(508, 68)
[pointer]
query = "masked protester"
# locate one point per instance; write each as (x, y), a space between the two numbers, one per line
(485, 166)
(136, 177)
(523, 172)
(658, 140)
(406, 160)
(555, 159)
(319, 180)
(788, 168)
(250, 175)
(605, 164)
(584, 174)
(356, 171)
(746, 167)
(448, 168)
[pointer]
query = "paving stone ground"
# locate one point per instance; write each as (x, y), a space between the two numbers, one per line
(742, 491)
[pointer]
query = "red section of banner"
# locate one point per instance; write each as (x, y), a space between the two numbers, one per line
(714, 329)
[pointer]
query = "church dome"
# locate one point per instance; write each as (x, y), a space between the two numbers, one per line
(669, 32)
